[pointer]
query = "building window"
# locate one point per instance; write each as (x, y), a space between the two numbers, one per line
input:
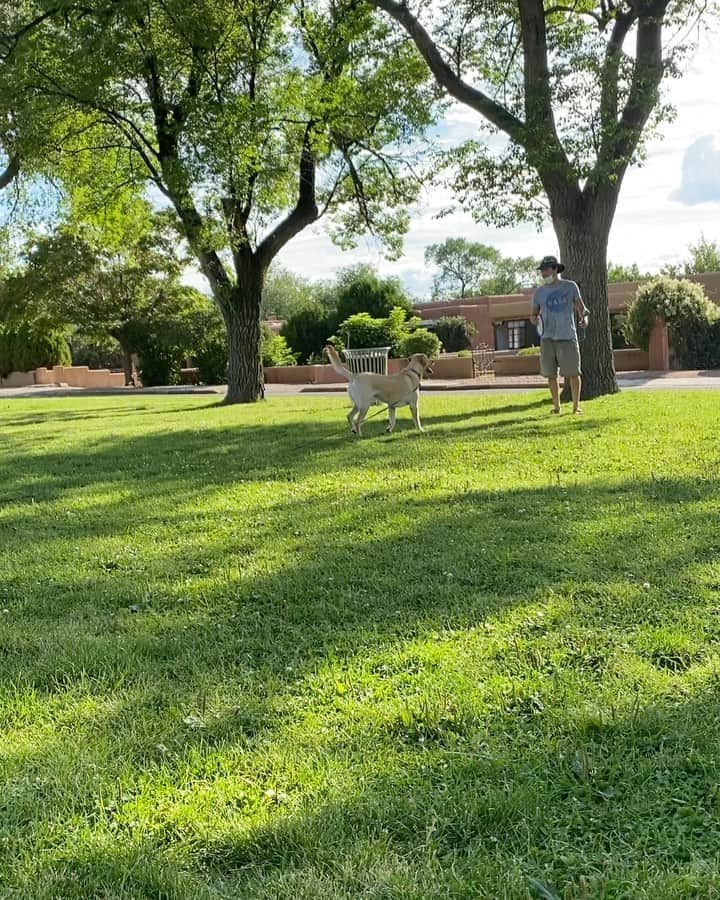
(516, 335)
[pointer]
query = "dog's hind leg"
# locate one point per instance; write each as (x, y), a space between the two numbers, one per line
(351, 418)
(360, 419)
(392, 412)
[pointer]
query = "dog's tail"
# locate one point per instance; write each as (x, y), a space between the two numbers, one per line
(337, 364)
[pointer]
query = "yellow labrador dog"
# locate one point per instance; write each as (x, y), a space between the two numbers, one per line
(366, 388)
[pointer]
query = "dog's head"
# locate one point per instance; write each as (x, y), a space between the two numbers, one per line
(420, 363)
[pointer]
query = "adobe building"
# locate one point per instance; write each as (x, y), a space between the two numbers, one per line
(503, 322)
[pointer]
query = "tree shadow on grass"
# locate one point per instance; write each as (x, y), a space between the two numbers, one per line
(602, 799)
(212, 456)
(228, 640)
(353, 578)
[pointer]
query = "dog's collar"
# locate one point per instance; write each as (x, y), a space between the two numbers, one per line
(415, 373)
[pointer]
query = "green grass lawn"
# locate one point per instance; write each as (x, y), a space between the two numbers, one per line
(244, 655)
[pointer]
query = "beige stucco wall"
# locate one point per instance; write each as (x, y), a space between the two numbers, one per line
(79, 376)
(18, 379)
(507, 362)
(443, 367)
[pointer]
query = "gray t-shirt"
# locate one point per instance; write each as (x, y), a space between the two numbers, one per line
(556, 303)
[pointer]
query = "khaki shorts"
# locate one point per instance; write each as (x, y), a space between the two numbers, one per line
(563, 355)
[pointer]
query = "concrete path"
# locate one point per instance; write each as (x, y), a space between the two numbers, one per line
(702, 380)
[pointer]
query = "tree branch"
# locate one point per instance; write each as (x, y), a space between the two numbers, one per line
(545, 152)
(494, 112)
(623, 138)
(305, 211)
(12, 170)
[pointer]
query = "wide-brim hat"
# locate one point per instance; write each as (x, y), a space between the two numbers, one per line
(551, 261)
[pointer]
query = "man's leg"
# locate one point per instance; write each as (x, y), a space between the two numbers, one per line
(554, 393)
(575, 384)
(549, 368)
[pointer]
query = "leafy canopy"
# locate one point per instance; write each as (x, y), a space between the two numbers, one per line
(467, 267)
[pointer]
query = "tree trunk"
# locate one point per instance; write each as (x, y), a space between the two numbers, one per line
(583, 249)
(241, 311)
(127, 356)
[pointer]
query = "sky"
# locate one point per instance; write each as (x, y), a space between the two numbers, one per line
(664, 206)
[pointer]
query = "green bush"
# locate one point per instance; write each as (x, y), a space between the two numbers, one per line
(529, 351)
(307, 331)
(275, 350)
(691, 318)
(420, 341)
(26, 347)
(362, 330)
(95, 352)
(212, 360)
(618, 321)
(159, 365)
(361, 291)
(455, 333)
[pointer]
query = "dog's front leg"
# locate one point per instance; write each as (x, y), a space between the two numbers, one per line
(392, 412)
(415, 412)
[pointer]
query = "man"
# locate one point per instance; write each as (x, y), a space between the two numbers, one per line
(556, 306)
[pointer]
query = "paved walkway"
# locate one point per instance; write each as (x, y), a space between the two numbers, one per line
(705, 380)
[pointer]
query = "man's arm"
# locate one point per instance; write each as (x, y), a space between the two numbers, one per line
(581, 310)
(535, 311)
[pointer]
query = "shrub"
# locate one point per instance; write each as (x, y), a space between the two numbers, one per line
(95, 352)
(454, 332)
(690, 316)
(211, 360)
(159, 365)
(275, 350)
(529, 351)
(420, 341)
(25, 347)
(361, 291)
(362, 330)
(307, 331)
(618, 321)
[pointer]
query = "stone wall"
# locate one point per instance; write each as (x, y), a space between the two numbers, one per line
(72, 376)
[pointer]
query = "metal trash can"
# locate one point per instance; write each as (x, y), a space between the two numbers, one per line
(483, 358)
(370, 359)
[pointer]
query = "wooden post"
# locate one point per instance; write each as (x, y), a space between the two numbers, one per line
(659, 347)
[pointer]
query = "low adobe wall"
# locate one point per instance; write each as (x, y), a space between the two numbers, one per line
(73, 376)
(443, 367)
(507, 362)
(18, 379)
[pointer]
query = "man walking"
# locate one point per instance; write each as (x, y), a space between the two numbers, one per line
(556, 307)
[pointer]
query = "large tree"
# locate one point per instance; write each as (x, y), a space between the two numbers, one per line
(470, 267)
(251, 118)
(571, 89)
(69, 279)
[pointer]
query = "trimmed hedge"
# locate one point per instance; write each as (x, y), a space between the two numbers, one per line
(454, 333)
